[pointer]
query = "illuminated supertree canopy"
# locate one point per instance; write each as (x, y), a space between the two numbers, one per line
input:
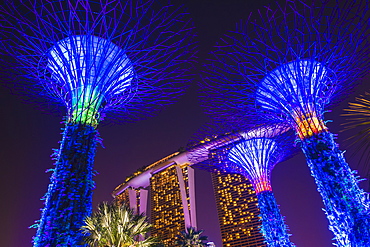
(90, 70)
(95, 58)
(288, 65)
(254, 154)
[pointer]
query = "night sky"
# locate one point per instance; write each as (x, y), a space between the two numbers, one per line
(28, 136)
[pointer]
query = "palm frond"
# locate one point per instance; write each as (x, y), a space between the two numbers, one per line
(117, 225)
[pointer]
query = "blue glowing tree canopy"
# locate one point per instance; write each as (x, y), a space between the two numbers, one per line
(256, 154)
(98, 57)
(89, 71)
(253, 152)
(289, 62)
(296, 88)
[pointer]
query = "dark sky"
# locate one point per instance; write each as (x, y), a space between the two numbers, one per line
(29, 135)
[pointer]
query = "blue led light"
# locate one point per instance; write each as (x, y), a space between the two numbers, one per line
(256, 157)
(346, 205)
(91, 70)
(69, 197)
(273, 227)
(296, 87)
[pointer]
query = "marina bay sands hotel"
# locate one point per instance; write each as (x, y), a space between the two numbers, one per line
(167, 189)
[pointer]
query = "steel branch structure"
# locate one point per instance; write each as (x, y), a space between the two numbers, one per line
(287, 66)
(94, 58)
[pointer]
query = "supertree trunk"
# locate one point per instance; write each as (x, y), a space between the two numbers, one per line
(273, 226)
(69, 197)
(345, 203)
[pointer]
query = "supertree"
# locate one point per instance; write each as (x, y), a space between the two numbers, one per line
(94, 58)
(254, 154)
(286, 66)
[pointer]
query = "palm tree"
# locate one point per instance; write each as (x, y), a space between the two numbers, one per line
(114, 225)
(191, 238)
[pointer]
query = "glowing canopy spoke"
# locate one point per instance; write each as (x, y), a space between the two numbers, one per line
(90, 70)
